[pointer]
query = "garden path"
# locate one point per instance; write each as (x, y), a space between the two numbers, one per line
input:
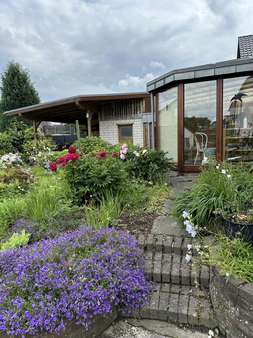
(180, 288)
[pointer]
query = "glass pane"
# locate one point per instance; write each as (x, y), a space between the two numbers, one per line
(168, 122)
(200, 122)
(238, 119)
(126, 134)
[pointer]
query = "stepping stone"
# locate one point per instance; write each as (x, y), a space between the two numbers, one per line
(167, 225)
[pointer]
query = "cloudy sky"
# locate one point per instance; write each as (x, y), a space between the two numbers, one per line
(73, 47)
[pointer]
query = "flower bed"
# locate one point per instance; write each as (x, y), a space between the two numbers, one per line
(75, 277)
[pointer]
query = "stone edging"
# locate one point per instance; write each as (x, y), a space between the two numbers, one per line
(99, 325)
(232, 301)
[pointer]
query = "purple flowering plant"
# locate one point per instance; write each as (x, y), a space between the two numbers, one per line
(73, 278)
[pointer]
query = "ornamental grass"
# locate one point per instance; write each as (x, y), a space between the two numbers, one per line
(73, 278)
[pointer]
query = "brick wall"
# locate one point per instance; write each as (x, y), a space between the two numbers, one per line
(108, 130)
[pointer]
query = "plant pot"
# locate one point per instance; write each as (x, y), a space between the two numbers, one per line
(235, 229)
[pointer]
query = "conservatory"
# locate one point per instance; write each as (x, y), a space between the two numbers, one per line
(205, 112)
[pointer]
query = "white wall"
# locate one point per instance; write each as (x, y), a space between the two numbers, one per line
(109, 131)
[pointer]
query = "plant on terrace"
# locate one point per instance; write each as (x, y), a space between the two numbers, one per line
(76, 277)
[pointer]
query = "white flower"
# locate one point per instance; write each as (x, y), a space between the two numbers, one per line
(210, 334)
(217, 167)
(223, 171)
(136, 153)
(185, 214)
(229, 176)
(227, 274)
(144, 151)
(188, 258)
(189, 247)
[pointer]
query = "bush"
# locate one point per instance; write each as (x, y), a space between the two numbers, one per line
(15, 241)
(92, 177)
(76, 277)
(5, 143)
(218, 190)
(91, 145)
(148, 165)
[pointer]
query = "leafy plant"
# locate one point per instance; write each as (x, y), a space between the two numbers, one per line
(91, 145)
(5, 143)
(217, 191)
(15, 241)
(233, 257)
(148, 165)
(91, 177)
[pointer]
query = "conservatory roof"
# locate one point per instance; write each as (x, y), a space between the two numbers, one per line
(208, 71)
(70, 109)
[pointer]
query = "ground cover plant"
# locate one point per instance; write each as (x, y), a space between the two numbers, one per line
(75, 277)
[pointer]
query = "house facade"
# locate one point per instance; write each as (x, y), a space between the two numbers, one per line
(206, 112)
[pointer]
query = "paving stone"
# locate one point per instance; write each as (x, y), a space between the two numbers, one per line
(183, 309)
(206, 314)
(185, 273)
(175, 271)
(148, 269)
(149, 242)
(193, 311)
(175, 288)
(167, 243)
(195, 271)
(166, 268)
(157, 271)
(173, 307)
(154, 304)
(159, 242)
(186, 242)
(167, 225)
(165, 287)
(204, 276)
(163, 305)
(177, 245)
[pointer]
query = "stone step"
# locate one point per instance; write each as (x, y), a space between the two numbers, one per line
(166, 243)
(172, 268)
(179, 304)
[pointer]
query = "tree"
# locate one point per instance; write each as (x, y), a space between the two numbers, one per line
(17, 91)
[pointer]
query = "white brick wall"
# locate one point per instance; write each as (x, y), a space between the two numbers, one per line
(109, 131)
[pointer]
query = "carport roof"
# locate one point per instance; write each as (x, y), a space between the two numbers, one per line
(70, 109)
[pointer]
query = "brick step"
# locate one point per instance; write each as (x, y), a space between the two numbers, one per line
(179, 304)
(166, 243)
(172, 268)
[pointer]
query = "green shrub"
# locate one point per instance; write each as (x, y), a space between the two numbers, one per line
(90, 177)
(91, 145)
(5, 143)
(148, 165)
(15, 241)
(216, 193)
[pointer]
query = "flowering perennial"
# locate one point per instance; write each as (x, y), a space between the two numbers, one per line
(190, 227)
(63, 160)
(75, 277)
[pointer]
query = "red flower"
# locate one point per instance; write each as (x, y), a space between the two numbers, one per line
(75, 157)
(115, 155)
(53, 166)
(72, 150)
(101, 154)
(71, 157)
(68, 157)
(61, 160)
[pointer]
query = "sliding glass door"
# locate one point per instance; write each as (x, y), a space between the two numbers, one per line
(199, 122)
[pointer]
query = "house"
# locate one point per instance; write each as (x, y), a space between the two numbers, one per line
(117, 118)
(206, 112)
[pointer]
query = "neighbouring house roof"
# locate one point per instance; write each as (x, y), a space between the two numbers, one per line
(70, 109)
(245, 47)
(209, 71)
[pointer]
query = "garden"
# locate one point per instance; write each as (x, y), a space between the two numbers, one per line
(64, 255)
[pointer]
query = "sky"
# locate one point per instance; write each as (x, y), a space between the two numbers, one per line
(73, 47)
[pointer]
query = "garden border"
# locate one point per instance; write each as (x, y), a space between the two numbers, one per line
(232, 301)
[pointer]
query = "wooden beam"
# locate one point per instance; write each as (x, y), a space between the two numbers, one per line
(77, 130)
(180, 107)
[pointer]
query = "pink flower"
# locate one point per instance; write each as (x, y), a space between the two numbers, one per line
(122, 156)
(53, 166)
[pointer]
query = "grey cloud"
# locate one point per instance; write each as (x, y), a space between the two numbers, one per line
(77, 46)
